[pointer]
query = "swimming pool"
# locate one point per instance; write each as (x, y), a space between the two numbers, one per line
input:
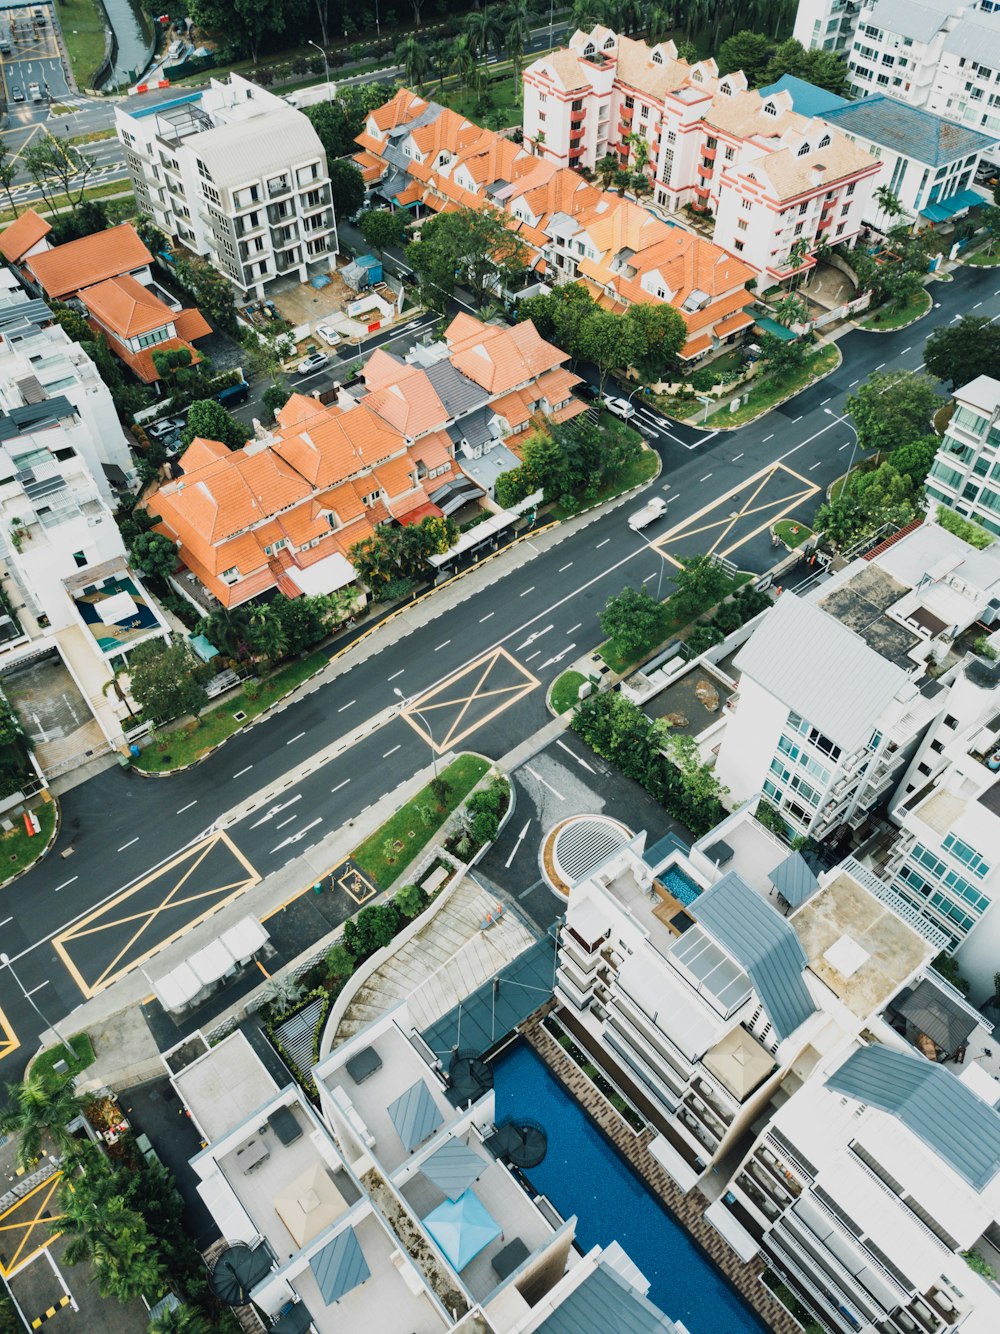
(582, 1174)
(681, 886)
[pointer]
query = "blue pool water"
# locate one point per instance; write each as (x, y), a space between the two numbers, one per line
(582, 1174)
(683, 889)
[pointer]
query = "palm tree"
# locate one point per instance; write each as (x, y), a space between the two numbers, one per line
(112, 1237)
(266, 633)
(411, 53)
(40, 1109)
(181, 1320)
(607, 169)
(485, 28)
(791, 309)
(282, 992)
(889, 202)
(228, 630)
(462, 59)
(659, 24)
(517, 29)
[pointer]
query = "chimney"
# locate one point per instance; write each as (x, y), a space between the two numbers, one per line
(258, 430)
(818, 174)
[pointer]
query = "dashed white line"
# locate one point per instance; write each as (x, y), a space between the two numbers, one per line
(737, 457)
(815, 465)
(563, 568)
(295, 738)
(284, 822)
(10, 919)
(188, 806)
(602, 544)
(243, 771)
(648, 577)
(539, 779)
(340, 785)
(390, 752)
(441, 646)
(880, 365)
(486, 617)
(977, 305)
(395, 674)
(57, 889)
(843, 446)
(852, 384)
(527, 591)
(575, 628)
(129, 843)
(347, 706)
(825, 400)
(768, 437)
(905, 350)
(797, 419)
(706, 477)
(536, 654)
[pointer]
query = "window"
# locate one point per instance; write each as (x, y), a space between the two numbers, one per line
(802, 208)
(657, 58)
(741, 224)
(543, 97)
(967, 855)
(644, 112)
(770, 109)
(738, 245)
(825, 141)
(798, 228)
(844, 210)
(578, 104)
(80, 559)
(840, 228)
(231, 575)
(730, 154)
(630, 102)
(803, 150)
(746, 204)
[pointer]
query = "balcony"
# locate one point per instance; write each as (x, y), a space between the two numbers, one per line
(709, 154)
(277, 188)
(705, 170)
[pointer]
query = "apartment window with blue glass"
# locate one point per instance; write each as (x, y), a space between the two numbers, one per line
(967, 855)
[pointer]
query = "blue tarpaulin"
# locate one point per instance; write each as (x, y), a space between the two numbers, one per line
(462, 1228)
(947, 208)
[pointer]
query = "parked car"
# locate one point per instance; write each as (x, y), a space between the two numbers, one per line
(586, 391)
(328, 334)
(35, 92)
(753, 352)
(166, 426)
(18, 94)
(314, 362)
(619, 407)
(4, 48)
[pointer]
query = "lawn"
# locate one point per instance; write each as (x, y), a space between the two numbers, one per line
(566, 691)
(635, 474)
(883, 320)
(408, 826)
(500, 101)
(672, 624)
(82, 24)
(82, 1046)
(173, 750)
(791, 533)
(75, 140)
(17, 850)
(982, 259)
(105, 191)
(763, 395)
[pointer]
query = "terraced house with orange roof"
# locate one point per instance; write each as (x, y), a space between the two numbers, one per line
(776, 183)
(421, 156)
(283, 512)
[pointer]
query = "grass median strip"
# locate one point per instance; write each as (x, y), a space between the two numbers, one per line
(566, 691)
(18, 851)
(884, 320)
(386, 854)
(641, 470)
(83, 1056)
(83, 30)
(765, 395)
(173, 750)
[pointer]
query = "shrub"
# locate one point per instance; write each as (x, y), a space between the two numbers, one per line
(372, 929)
(411, 900)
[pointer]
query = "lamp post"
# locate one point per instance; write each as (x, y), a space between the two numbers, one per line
(851, 427)
(657, 552)
(5, 961)
(430, 736)
(326, 63)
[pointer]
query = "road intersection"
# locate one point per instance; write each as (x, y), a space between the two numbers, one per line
(476, 666)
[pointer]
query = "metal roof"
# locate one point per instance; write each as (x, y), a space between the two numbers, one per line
(657, 853)
(763, 943)
(456, 391)
(919, 19)
(932, 1104)
(18, 421)
(340, 1266)
(415, 1114)
(244, 151)
(475, 428)
(931, 1011)
(495, 1009)
(794, 880)
(453, 1167)
(807, 98)
(977, 37)
(908, 130)
(605, 1304)
(815, 665)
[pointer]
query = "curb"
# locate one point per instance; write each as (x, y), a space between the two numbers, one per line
(801, 390)
(897, 327)
(56, 829)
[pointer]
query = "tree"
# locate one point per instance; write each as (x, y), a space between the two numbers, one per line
(38, 1111)
(791, 309)
(381, 227)
(154, 554)
(889, 203)
(989, 219)
(914, 460)
(371, 929)
(180, 1320)
(58, 168)
(633, 621)
(411, 900)
(72, 321)
(209, 420)
(780, 358)
(545, 465)
(348, 186)
(163, 681)
(746, 51)
(699, 584)
(303, 620)
(892, 408)
(339, 961)
(607, 169)
(8, 174)
(266, 633)
(957, 353)
(411, 53)
(475, 244)
(607, 340)
(112, 1237)
(485, 29)
(212, 293)
(702, 788)
(656, 333)
(275, 396)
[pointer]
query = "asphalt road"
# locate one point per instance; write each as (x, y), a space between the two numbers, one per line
(543, 615)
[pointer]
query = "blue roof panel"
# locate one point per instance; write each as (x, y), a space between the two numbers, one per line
(908, 130)
(339, 1267)
(415, 1114)
(605, 1304)
(807, 98)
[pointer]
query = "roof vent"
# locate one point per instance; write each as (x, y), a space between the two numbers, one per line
(846, 956)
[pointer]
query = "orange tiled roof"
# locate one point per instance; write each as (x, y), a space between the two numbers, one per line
(499, 359)
(370, 165)
(515, 408)
(191, 324)
(23, 233)
(334, 443)
(741, 320)
(128, 309)
(201, 452)
(694, 346)
(404, 107)
(434, 450)
(77, 264)
(396, 477)
(571, 409)
(141, 363)
(410, 402)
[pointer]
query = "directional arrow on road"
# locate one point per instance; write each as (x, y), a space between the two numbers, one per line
(294, 838)
(557, 658)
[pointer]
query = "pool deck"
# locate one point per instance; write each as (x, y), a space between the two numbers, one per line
(687, 1209)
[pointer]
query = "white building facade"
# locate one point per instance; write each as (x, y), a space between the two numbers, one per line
(826, 25)
(234, 173)
(965, 475)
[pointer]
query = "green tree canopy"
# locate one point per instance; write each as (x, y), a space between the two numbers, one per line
(892, 408)
(957, 353)
(371, 929)
(348, 186)
(38, 1112)
(381, 228)
(209, 420)
(633, 621)
(746, 51)
(213, 294)
(475, 244)
(154, 554)
(163, 681)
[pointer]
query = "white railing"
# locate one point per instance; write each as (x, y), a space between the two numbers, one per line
(895, 903)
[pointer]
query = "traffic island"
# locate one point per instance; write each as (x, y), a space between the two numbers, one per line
(887, 320)
(19, 851)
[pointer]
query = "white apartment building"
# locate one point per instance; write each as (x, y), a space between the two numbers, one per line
(826, 25)
(870, 1185)
(341, 1213)
(236, 174)
(965, 474)
(834, 691)
(774, 180)
(39, 361)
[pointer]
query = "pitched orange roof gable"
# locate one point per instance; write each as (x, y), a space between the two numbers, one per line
(401, 109)
(500, 359)
(23, 233)
(77, 264)
(128, 309)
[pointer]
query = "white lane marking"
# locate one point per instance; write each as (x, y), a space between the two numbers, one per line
(797, 419)
(977, 305)
(294, 838)
(57, 889)
(531, 656)
(486, 617)
(737, 457)
(602, 544)
(563, 746)
(441, 646)
(880, 365)
(295, 738)
(243, 771)
(188, 806)
(394, 675)
(815, 465)
(825, 400)
(563, 568)
(852, 384)
(517, 845)
(767, 438)
(347, 706)
(527, 591)
(340, 785)
(538, 778)
(129, 843)
(284, 822)
(390, 752)
(843, 446)
(905, 350)
(574, 629)
(706, 477)
(648, 577)
(38, 988)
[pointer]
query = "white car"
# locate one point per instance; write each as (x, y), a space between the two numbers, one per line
(328, 334)
(620, 407)
(34, 92)
(314, 362)
(166, 426)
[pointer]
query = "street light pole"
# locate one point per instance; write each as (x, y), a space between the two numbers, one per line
(326, 64)
(430, 736)
(851, 427)
(5, 961)
(657, 552)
